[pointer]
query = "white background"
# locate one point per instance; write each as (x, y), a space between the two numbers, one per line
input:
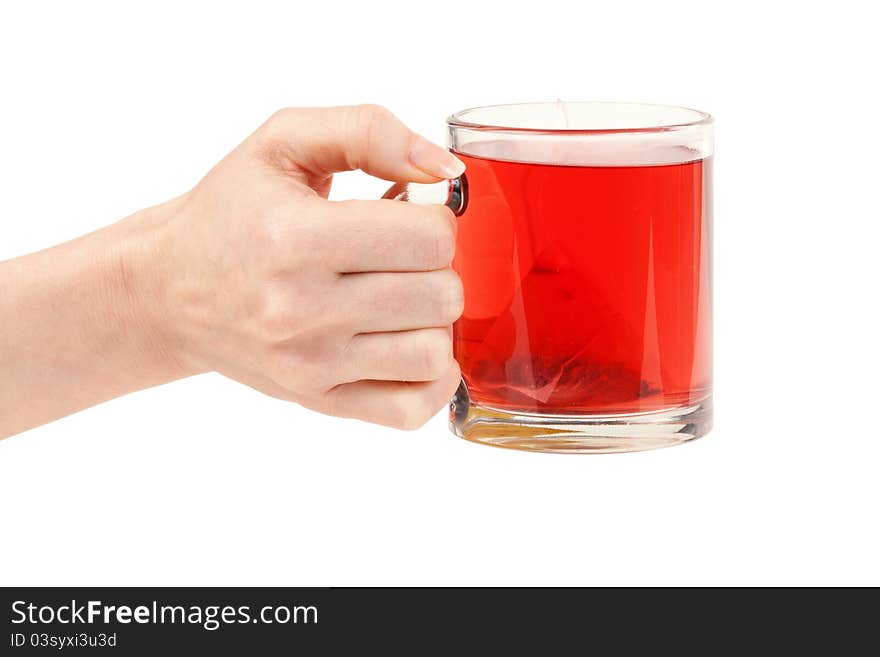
(109, 107)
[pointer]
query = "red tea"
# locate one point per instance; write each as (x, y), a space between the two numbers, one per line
(587, 288)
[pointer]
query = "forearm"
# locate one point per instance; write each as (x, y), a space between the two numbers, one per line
(76, 325)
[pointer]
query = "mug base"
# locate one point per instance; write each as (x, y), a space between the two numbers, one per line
(580, 434)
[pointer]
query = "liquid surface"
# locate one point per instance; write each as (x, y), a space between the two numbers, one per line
(587, 288)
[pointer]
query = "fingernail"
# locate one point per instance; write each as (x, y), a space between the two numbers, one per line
(434, 160)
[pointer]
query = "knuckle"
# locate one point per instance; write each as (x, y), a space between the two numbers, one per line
(273, 226)
(450, 296)
(396, 413)
(287, 234)
(369, 114)
(436, 354)
(438, 243)
(277, 120)
(411, 413)
(364, 127)
(278, 318)
(413, 422)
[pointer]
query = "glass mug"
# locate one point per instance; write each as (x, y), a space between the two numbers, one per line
(585, 249)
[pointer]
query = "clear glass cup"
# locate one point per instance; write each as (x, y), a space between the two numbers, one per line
(584, 246)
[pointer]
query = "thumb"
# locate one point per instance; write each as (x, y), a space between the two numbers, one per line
(323, 141)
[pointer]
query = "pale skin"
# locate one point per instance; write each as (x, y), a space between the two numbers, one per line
(344, 307)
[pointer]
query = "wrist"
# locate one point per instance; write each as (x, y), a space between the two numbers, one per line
(135, 274)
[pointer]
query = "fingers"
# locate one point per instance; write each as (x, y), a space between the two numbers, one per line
(420, 355)
(389, 236)
(367, 137)
(386, 301)
(393, 403)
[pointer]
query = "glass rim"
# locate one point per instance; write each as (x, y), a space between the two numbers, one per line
(458, 120)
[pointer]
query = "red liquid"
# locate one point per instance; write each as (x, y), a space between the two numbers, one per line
(587, 289)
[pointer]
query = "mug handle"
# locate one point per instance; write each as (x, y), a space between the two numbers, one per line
(451, 193)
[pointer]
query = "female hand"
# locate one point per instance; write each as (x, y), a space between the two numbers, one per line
(344, 307)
